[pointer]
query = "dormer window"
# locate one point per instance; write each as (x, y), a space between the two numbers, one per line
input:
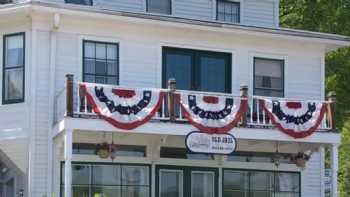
(228, 11)
(159, 6)
(79, 2)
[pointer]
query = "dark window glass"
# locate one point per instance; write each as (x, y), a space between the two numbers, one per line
(120, 150)
(260, 183)
(228, 11)
(80, 2)
(90, 180)
(182, 153)
(101, 62)
(197, 70)
(268, 77)
(159, 6)
(13, 68)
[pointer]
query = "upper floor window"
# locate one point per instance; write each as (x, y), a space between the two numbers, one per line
(80, 2)
(197, 70)
(13, 68)
(228, 11)
(159, 6)
(100, 62)
(268, 77)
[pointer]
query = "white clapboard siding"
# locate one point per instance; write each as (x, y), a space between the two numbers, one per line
(197, 9)
(122, 5)
(259, 13)
(308, 83)
(41, 133)
(311, 177)
(253, 12)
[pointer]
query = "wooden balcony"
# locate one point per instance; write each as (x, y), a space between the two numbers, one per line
(71, 102)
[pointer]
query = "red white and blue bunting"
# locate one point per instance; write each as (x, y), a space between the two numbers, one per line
(123, 108)
(297, 119)
(212, 114)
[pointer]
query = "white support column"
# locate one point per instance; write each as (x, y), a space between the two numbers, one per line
(334, 166)
(68, 140)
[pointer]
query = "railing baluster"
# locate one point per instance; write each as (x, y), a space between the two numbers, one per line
(251, 100)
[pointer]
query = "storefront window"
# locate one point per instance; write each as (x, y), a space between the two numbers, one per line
(90, 180)
(260, 184)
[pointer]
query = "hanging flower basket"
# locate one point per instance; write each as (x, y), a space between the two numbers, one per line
(103, 150)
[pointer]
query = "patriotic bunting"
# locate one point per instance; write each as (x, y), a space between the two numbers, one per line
(123, 108)
(297, 119)
(211, 114)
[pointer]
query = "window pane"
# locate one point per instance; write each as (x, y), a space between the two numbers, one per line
(80, 191)
(179, 66)
(89, 49)
(106, 175)
(14, 51)
(236, 180)
(286, 194)
(80, 174)
(135, 191)
(112, 68)
(101, 51)
(287, 182)
(13, 84)
(159, 6)
(261, 181)
(89, 66)
(101, 67)
(106, 191)
(112, 52)
(89, 78)
(130, 151)
(213, 74)
(171, 183)
(81, 2)
(135, 175)
(228, 11)
(202, 184)
(268, 77)
(112, 80)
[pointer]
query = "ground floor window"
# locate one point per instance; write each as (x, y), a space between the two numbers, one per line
(109, 180)
(180, 181)
(243, 183)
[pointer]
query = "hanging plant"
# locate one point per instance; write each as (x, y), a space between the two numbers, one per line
(301, 158)
(103, 150)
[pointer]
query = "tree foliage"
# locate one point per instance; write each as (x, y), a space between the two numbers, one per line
(329, 16)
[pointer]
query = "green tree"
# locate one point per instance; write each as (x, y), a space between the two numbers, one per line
(329, 17)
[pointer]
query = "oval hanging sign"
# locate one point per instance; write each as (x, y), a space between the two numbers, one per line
(198, 142)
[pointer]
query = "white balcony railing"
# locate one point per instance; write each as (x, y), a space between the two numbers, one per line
(255, 116)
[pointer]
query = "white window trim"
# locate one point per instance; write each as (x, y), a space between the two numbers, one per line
(79, 74)
(283, 57)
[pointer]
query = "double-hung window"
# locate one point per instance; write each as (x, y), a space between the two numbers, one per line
(228, 11)
(13, 68)
(197, 70)
(79, 2)
(159, 6)
(268, 77)
(100, 62)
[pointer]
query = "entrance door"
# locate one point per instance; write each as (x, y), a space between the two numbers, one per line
(186, 182)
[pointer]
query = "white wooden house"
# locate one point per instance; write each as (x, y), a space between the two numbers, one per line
(49, 136)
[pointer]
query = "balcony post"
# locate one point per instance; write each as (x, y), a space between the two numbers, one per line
(334, 166)
(332, 98)
(69, 95)
(68, 141)
(244, 95)
(171, 99)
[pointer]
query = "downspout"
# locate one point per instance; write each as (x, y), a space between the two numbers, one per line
(52, 77)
